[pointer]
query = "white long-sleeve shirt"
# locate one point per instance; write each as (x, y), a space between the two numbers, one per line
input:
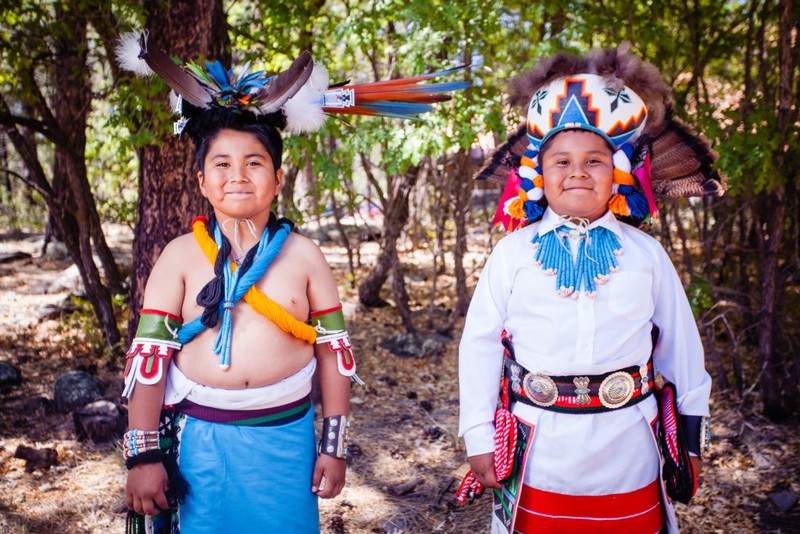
(554, 335)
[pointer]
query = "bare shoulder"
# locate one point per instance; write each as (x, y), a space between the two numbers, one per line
(182, 244)
(302, 249)
(323, 292)
(165, 285)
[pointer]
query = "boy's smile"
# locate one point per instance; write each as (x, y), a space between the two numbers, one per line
(578, 171)
(239, 179)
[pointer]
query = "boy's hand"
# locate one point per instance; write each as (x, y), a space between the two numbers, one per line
(329, 476)
(146, 487)
(697, 463)
(483, 468)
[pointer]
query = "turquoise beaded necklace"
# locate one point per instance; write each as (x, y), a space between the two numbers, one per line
(592, 266)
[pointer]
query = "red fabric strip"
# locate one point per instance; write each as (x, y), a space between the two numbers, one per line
(640, 508)
(649, 523)
(162, 313)
(324, 312)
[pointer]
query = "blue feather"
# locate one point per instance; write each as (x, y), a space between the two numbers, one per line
(431, 88)
(444, 87)
(446, 72)
(218, 73)
(399, 108)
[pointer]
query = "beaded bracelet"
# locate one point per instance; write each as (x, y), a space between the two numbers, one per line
(138, 442)
(334, 436)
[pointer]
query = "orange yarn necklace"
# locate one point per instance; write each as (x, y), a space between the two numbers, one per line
(256, 298)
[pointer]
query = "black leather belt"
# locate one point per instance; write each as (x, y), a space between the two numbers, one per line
(580, 394)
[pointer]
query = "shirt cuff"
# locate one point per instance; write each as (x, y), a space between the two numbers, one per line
(480, 439)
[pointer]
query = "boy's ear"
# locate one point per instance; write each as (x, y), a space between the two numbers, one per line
(201, 181)
(278, 178)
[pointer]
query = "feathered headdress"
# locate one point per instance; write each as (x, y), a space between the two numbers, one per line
(626, 101)
(300, 96)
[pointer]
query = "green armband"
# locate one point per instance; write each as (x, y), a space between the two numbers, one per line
(329, 325)
(155, 342)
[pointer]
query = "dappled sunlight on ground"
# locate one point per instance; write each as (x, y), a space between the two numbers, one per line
(406, 462)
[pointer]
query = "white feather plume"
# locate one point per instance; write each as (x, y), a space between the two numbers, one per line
(127, 52)
(304, 110)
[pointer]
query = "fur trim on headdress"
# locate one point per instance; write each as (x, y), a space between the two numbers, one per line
(656, 156)
(618, 66)
(521, 88)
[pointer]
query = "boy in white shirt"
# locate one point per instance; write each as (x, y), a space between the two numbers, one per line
(578, 299)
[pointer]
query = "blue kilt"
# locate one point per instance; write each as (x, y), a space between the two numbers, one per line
(248, 478)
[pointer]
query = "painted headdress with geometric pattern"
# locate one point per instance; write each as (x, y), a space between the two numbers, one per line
(626, 101)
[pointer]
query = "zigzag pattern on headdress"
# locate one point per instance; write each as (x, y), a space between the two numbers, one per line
(669, 160)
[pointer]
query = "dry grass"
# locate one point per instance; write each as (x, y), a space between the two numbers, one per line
(404, 433)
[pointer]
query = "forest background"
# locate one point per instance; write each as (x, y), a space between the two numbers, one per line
(85, 147)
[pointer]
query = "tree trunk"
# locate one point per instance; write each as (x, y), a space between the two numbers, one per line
(286, 202)
(79, 223)
(337, 217)
(771, 363)
(463, 185)
(773, 381)
(169, 197)
(439, 209)
(395, 217)
(686, 254)
(400, 294)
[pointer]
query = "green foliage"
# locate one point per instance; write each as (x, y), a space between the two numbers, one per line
(81, 329)
(368, 41)
(139, 112)
(747, 156)
(697, 45)
(113, 174)
(21, 208)
(378, 39)
(699, 292)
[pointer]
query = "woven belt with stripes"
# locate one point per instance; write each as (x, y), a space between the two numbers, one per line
(579, 394)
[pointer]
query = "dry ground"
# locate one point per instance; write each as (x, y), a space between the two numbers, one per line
(408, 462)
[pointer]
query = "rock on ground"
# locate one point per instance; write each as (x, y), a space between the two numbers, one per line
(76, 389)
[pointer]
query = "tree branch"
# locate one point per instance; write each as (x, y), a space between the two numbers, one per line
(28, 155)
(372, 180)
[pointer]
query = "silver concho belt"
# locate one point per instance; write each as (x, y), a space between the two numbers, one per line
(580, 394)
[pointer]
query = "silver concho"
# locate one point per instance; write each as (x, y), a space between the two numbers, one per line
(644, 378)
(516, 371)
(540, 389)
(616, 390)
(582, 390)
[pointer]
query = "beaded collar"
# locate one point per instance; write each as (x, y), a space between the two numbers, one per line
(596, 257)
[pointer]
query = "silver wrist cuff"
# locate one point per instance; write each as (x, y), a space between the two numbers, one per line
(334, 436)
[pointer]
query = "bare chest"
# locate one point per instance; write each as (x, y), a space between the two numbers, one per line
(284, 283)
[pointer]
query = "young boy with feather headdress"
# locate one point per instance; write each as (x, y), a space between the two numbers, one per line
(578, 311)
(240, 313)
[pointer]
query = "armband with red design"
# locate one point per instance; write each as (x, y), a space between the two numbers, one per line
(329, 325)
(155, 342)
